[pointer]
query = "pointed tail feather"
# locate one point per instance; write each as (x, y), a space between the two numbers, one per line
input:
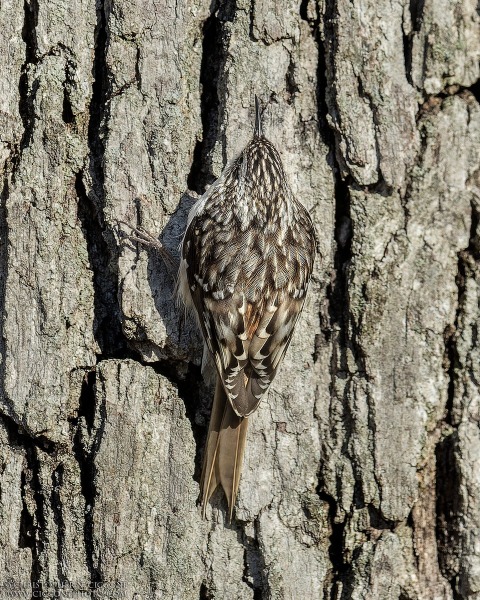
(224, 450)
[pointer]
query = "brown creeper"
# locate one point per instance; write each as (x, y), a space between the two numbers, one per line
(247, 257)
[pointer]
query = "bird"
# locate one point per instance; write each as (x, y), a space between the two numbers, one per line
(247, 257)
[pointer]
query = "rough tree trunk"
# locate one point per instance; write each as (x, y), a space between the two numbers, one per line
(362, 471)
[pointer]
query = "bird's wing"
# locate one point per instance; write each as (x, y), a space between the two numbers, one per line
(292, 268)
(269, 344)
(247, 313)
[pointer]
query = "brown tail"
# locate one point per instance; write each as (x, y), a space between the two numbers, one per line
(223, 459)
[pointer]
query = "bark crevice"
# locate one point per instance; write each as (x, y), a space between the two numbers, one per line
(337, 290)
(57, 511)
(107, 322)
(215, 41)
(449, 525)
(87, 433)
(338, 573)
(40, 538)
(28, 85)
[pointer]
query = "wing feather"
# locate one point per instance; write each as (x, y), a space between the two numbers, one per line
(248, 290)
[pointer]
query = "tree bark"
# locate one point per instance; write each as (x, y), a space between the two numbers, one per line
(362, 469)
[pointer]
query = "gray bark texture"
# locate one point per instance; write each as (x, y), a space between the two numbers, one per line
(362, 470)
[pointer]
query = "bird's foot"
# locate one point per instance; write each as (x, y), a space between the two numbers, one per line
(141, 236)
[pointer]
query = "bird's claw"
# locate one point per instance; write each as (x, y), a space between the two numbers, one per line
(141, 236)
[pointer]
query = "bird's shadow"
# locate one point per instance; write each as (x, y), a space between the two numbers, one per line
(180, 348)
(182, 343)
(182, 331)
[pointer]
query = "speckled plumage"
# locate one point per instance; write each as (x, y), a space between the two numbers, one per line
(247, 257)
